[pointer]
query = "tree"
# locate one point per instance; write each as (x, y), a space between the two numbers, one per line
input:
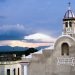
(30, 50)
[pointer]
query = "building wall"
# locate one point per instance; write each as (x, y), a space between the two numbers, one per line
(63, 68)
(3, 69)
(36, 68)
(49, 65)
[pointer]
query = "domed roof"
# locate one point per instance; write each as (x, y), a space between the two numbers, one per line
(69, 14)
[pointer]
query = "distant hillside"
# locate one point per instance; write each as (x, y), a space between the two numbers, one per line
(9, 48)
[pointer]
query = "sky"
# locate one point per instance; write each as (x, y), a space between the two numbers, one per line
(20, 18)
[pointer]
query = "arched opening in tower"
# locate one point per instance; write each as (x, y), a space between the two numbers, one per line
(64, 49)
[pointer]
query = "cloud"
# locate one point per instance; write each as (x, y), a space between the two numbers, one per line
(19, 43)
(32, 40)
(37, 14)
(13, 32)
(39, 37)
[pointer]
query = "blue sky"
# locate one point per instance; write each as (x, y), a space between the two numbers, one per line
(19, 18)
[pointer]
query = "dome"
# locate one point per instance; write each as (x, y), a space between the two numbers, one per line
(69, 14)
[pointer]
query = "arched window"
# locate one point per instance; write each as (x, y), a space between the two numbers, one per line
(66, 24)
(70, 24)
(65, 49)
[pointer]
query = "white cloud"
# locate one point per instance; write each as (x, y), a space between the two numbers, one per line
(19, 43)
(44, 40)
(5, 28)
(40, 37)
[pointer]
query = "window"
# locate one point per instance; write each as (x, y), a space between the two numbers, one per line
(66, 24)
(70, 24)
(14, 71)
(8, 71)
(18, 71)
(65, 49)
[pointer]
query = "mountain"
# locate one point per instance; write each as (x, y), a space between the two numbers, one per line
(9, 48)
(17, 48)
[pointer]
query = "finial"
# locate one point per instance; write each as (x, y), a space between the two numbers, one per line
(69, 5)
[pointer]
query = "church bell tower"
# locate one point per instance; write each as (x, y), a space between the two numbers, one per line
(69, 22)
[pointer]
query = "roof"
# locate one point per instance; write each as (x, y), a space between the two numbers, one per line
(69, 13)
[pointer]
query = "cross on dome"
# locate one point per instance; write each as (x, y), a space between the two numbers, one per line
(69, 5)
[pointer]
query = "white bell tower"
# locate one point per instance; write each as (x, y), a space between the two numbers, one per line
(69, 22)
